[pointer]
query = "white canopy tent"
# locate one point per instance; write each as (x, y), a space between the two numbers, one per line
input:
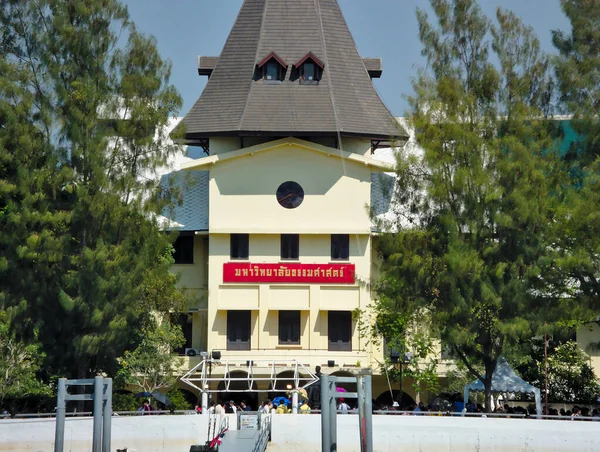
(505, 379)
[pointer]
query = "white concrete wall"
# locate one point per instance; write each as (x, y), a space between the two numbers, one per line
(435, 434)
(302, 433)
(136, 433)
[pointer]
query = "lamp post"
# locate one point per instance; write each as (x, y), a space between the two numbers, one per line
(204, 356)
(401, 359)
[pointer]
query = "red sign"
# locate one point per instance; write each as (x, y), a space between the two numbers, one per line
(245, 272)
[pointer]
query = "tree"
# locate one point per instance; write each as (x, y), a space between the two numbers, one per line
(570, 375)
(151, 366)
(84, 116)
(19, 366)
(471, 242)
(578, 76)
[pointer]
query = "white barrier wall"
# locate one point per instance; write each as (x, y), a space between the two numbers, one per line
(136, 433)
(302, 433)
(438, 434)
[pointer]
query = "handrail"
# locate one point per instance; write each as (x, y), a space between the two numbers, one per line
(264, 435)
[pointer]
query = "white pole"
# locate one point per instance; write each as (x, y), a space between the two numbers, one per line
(295, 402)
(204, 402)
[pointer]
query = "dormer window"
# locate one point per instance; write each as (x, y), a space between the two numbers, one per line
(310, 69)
(273, 68)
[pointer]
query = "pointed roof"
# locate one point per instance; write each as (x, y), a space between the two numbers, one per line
(236, 102)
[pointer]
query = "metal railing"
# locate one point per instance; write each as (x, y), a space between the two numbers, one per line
(264, 435)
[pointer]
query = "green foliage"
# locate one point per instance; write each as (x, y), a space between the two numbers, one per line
(84, 119)
(570, 375)
(577, 272)
(125, 402)
(151, 366)
(178, 401)
(476, 203)
(19, 367)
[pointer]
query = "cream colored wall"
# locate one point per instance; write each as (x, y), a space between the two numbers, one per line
(193, 279)
(242, 194)
(266, 300)
(361, 146)
(586, 335)
(220, 145)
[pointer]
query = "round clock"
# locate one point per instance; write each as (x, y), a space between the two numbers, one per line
(290, 195)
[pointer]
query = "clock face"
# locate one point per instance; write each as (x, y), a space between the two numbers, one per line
(290, 195)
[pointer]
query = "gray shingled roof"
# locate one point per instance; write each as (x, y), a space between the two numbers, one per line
(192, 214)
(235, 103)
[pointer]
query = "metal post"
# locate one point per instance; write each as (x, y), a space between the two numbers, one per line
(325, 430)
(360, 391)
(401, 393)
(295, 402)
(107, 419)
(546, 374)
(59, 436)
(368, 394)
(204, 402)
(332, 415)
(97, 435)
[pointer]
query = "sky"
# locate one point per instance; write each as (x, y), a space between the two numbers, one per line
(384, 29)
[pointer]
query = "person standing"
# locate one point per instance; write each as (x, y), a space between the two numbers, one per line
(144, 408)
(343, 406)
(314, 390)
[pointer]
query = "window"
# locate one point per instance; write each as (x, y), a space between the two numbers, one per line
(238, 330)
(272, 68)
(239, 246)
(310, 69)
(289, 246)
(309, 73)
(289, 327)
(340, 331)
(340, 247)
(184, 249)
(185, 322)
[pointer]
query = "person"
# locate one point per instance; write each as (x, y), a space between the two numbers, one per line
(198, 408)
(244, 407)
(211, 408)
(144, 408)
(419, 409)
(343, 406)
(305, 408)
(219, 408)
(282, 409)
(314, 390)
(231, 408)
(575, 413)
(267, 406)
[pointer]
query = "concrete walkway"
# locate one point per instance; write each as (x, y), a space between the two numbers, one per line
(239, 441)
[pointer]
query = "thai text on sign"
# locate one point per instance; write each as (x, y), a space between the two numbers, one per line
(245, 272)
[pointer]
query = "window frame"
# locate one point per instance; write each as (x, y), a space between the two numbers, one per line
(340, 247)
(335, 322)
(290, 323)
(290, 247)
(182, 254)
(233, 246)
(237, 320)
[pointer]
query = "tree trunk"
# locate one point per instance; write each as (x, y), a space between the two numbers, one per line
(490, 367)
(488, 395)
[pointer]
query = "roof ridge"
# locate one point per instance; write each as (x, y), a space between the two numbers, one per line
(336, 118)
(262, 26)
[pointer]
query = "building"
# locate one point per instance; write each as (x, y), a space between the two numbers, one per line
(276, 237)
